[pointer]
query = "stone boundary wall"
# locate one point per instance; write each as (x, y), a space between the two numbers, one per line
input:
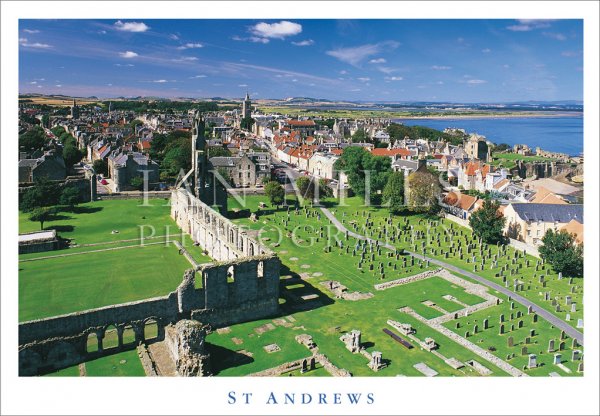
(518, 245)
(406, 280)
(136, 195)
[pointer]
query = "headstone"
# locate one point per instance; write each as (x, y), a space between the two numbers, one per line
(551, 346)
(557, 358)
(580, 323)
(527, 340)
(580, 367)
(304, 368)
(535, 317)
(524, 351)
(501, 329)
(520, 324)
(485, 324)
(532, 333)
(501, 318)
(575, 355)
(561, 346)
(573, 307)
(529, 310)
(510, 342)
(532, 363)
(574, 344)
(568, 317)
(567, 300)
(312, 363)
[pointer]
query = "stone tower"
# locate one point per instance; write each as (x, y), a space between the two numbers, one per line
(74, 110)
(246, 107)
(206, 186)
(477, 148)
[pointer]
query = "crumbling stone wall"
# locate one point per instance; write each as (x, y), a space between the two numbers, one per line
(185, 341)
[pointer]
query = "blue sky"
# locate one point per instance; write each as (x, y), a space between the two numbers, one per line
(378, 60)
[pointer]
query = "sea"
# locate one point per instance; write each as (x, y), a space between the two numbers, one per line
(555, 134)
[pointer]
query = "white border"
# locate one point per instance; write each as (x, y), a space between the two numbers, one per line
(209, 396)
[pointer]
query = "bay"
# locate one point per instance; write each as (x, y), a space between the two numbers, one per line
(555, 134)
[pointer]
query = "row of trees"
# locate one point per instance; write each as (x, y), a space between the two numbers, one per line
(46, 198)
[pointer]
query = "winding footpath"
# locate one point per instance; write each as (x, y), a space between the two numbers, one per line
(557, 322)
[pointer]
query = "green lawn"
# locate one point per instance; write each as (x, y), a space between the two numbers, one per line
(125, 363)
(93, 222)
(508, 160)
(92, 274)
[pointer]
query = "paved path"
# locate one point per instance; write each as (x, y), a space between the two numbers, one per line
(557, 322)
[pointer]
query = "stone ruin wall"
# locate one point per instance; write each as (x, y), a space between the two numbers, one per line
(218, 236)
(52, 343)
(546, 169)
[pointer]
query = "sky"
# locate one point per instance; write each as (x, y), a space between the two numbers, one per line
(485, 61)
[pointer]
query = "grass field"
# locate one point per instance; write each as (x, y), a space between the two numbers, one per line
(126, 363)
(92, 274)
(508, 160)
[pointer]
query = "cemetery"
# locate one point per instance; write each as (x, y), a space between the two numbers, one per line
(412, 317)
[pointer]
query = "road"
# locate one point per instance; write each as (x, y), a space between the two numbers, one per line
(557, 322)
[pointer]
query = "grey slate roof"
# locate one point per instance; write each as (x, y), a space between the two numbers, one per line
(224, 161)
(549, 212)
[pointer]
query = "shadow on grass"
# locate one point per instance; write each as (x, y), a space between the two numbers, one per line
(222, 358)
(307, 297)
(61, 228)
(85, 210)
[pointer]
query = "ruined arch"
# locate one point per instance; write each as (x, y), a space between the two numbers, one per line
(92, 344)
(151, 329)
(111, 337)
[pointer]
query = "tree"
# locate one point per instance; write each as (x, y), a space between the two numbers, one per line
(41, 214)
(488, 223)
(501, 147)
(423, 191)
(560, 250)
(137, 182)
(178, 158)
(101, 167)
(32, 139)
(325, 190)
(246, 123)
(69, 196)
(44, 193)
(71, 154)
(393, 192)
(214, 151)
(45, 120)
(359, 136)
(275, 193)
(355, 161)
(306, 187)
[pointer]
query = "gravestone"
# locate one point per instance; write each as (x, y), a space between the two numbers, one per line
(520, 324)
(580, 367)
(575, 355)
(568, 300)
(574, 343)
(485, 324)
(501, 318)
(568, 317)
(551, 346)
(561, 346)
(557, 359)
(532, 333)
(573, 307)
(524, 351)
(510, 342)
(532, 363)
(529, 310)
(312, 363)
(304, 368)
(535, 317)
(527, 340)
(501, 329)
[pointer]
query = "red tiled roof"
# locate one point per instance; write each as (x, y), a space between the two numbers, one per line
(301, 123)
(391, 152)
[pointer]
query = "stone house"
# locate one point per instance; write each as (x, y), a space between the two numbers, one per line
(246, 169)
(529, 222)
(50, 165)
(124, 166)
(321, 165)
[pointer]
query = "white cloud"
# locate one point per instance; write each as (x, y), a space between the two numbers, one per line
(190, 45)
(476, 81)
(441, 68)
(343, 72)
(135, 27)
(31, 31)
(355, 90)
(440, 83)
(486, 50)
(378, 61)
(355, 55)
(387, 69)
(294, 80)
(185, 59)
(276, 30)
(198, 76)
(160, 81)
(364, 79)
(525, 25)
(556, 36)
(125, 65)
(33, 82)
(306, 42)
(128, 54)
(570, 54)
(58, 85)
(37, 45)
(394, 78)
(173, 36)
(242, 85)
(102, 32)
